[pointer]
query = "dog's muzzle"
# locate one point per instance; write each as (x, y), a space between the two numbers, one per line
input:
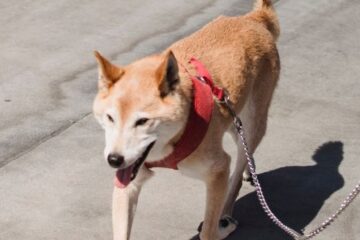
(126, 175)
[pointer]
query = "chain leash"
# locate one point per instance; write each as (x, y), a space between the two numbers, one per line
(294, 234)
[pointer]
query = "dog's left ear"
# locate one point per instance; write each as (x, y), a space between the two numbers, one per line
(108, 72)
(168, 75)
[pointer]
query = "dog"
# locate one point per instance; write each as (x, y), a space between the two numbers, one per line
(145, 108)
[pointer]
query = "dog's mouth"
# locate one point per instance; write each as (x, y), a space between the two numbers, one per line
(126, 175)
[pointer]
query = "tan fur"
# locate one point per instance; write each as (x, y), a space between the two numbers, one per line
(241, 55)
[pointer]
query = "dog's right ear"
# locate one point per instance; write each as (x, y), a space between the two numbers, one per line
(108, 73)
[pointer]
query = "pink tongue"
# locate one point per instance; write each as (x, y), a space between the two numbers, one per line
(123, 177)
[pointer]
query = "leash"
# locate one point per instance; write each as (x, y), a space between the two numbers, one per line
(223, 98)
(294, 234)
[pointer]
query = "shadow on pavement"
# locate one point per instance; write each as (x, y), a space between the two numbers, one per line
(295, 194)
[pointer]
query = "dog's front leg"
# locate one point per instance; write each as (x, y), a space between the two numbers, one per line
(216, 189)
(124, 205)
(123, 210)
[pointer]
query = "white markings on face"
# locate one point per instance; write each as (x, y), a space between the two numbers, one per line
(165, 132)
(138, 135)
(111, 124)
(131, 138)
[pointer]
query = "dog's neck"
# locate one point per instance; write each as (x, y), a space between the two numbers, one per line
(189, 138)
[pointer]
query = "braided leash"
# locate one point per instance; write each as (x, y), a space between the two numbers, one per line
(294, 234)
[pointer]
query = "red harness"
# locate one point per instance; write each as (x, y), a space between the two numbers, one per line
(199, 117)
(204, 91)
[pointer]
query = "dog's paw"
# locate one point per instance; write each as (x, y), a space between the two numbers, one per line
(227, 225)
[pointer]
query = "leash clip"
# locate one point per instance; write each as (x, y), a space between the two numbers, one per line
(228, 104)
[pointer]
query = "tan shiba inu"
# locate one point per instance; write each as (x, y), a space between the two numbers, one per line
(144, 108)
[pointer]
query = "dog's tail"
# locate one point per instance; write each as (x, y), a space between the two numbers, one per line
(264, 12)
(260, 4)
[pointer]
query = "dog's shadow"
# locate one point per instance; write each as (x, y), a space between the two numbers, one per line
(295, 194)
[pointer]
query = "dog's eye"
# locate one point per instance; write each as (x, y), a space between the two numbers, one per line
(109, 118)
(141, 121)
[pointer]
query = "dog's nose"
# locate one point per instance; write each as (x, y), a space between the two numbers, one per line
(115, 160)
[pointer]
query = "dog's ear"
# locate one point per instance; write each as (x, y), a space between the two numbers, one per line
(108, 73)
(168, 74)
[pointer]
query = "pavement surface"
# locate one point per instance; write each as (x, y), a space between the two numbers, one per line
(54, 183)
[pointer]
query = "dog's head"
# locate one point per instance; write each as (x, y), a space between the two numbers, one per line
(140, 106)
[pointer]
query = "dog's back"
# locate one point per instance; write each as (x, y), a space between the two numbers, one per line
(235, 49)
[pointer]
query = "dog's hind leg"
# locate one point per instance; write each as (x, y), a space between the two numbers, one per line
(124, 205)
(241, 163)
(254, 117)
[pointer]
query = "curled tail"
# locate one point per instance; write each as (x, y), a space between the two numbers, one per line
(265, 13)
(260, 4)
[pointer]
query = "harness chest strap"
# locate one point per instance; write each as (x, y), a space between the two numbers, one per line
(204, 91)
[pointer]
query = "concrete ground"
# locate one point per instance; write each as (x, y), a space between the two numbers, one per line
(54, 183)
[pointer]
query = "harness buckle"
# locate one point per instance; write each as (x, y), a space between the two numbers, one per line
(201, 79)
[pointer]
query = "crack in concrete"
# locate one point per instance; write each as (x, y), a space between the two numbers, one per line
(42, 140)
(59, 96)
